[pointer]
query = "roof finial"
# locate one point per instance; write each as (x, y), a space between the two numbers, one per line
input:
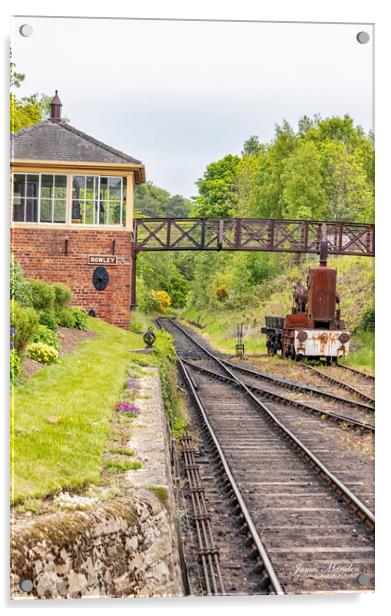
(55, 108)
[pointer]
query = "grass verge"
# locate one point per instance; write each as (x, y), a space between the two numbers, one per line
(164, 356)
(219, 330)
(364, 356)
(61, 416)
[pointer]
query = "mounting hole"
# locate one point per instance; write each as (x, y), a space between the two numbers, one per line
(26, 30)
(363, 579)
(362, 37)
(26, 585)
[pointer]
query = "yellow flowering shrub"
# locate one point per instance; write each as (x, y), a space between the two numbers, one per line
(163, 299)
(43, 353)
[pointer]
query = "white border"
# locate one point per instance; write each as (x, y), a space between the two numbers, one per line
(358, 11)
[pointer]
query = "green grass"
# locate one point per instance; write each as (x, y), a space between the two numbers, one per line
(161, 493)
(119, 466)
(80, 394)
(364, 357)
(355, 279)
(122, 451)
(220, 330)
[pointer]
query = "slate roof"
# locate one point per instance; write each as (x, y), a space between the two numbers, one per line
(49, 140)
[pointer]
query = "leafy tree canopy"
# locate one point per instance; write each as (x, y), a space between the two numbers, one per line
(324, 170)
(217, 189)
(155, 202)
(27, 110)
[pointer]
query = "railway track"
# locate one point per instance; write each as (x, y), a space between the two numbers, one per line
(362, 375)
(359, 414)
(272, 394)
(315, 528)
(327, 375)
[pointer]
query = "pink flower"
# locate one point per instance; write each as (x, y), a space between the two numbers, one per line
(128, 407)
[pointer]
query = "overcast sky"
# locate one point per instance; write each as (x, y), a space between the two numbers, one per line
(178, 95)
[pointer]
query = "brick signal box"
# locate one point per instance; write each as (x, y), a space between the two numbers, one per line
(72, 214)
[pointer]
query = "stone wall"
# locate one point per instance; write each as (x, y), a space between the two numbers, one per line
(122, 548)
(42, 254)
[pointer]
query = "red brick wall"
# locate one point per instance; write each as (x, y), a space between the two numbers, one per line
(41, 253)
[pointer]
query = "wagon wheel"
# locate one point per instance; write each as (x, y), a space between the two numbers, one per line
(100, 278)
(149, 339)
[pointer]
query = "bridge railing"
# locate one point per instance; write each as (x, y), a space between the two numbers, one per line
(253, 234)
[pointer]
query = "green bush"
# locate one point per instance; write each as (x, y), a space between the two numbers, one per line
(15, 363)
(46, 335)
(43, 353)
(65, 317)
(150, 303)
(80, 318)
(24, 321)
(62, 295)
(42, 295)
(20, 288)
(48, 318)
(367, 323)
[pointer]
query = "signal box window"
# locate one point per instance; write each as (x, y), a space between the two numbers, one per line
(98, 200)
(39, 197)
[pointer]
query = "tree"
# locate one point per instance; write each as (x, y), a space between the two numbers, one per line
(343, 131)
(217, 189)
(252, 146)
(267, 194)
(348, 195)
(303, 194)
(246, 184)
(29, 109)
(178, 207)
(150, 200)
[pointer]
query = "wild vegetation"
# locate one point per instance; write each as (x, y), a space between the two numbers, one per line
(37, 310)
(323, 170)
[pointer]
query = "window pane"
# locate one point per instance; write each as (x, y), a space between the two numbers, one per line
(18, 213)
(92, 187)
(59, 210)
(124, 203)
(76, 211)
(113, 213)
(101, 213)
(89, 213)
(115, 189)
(31, 210)
(19, 185)
(60, 186)
(47, 186)
(78, 186)
(46, 210)
(32, 186)
(109, 220)
(104, 192)
(60, 180)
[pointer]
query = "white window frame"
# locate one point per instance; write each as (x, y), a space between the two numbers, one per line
(52, 199)
(24, 197)
(98, 201)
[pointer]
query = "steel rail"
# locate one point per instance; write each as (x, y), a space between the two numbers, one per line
(357, 505)
(269, 569)
(367, 376)
(339, 383)
(298, 387)
(307, 408)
